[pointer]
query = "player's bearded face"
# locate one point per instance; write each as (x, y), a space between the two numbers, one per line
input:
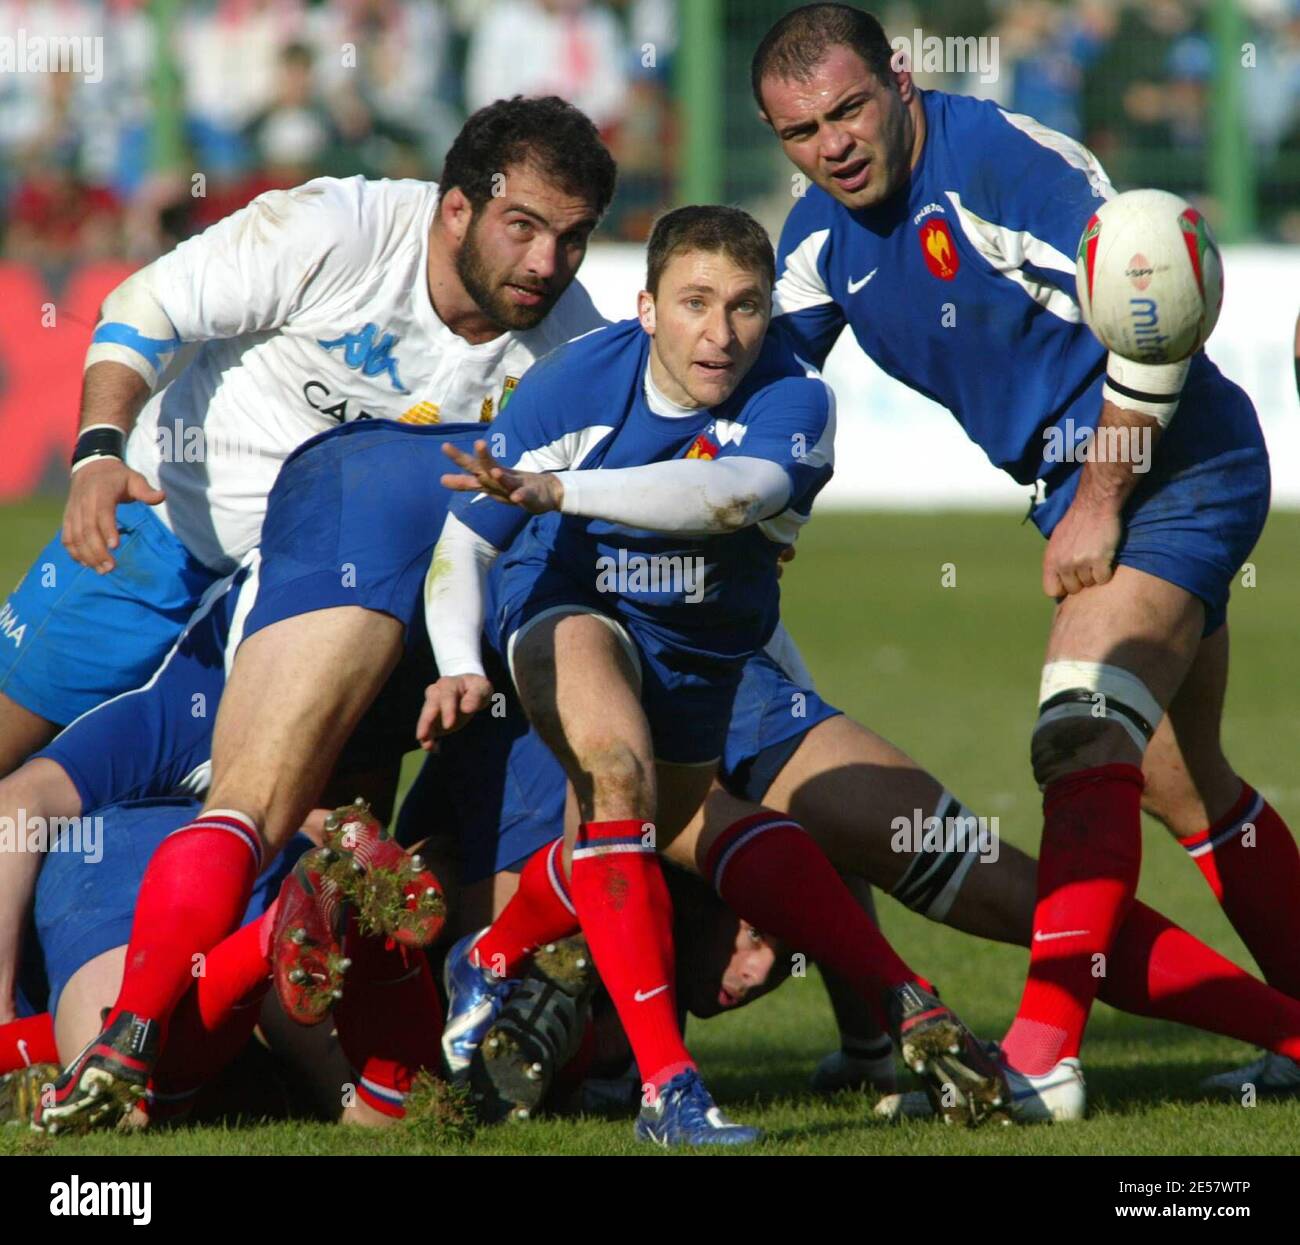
(707, 319)
(522, 250)
(844, 129)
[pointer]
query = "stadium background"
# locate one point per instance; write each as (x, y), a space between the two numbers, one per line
(200, 105)
(235, 96)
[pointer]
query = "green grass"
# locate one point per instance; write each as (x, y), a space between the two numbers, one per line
(951, 675)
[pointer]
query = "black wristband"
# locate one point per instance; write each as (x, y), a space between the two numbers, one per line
(99, 442)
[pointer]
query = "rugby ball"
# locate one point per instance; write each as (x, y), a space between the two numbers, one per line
(1149, 277)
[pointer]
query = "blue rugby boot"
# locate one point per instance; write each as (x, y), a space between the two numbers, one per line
(475, 997)
(685, 1114)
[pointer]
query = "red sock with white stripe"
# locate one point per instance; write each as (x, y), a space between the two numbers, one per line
(389, 1020)
(768, 870)
(214, 1020)
(1251, 862)
(27, 1041)
(193, 894)
(1087, 874)
(540, 911)
(626, 913)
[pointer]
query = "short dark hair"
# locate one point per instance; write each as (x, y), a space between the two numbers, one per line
(713, 228)
(549, 133)
(798, 43)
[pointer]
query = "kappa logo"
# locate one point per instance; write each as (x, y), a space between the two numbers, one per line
(365, 351)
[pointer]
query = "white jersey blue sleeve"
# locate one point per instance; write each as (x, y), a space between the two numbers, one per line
(307, 309)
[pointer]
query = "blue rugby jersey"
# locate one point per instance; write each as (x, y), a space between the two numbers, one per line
(962, 287)
(584, 406)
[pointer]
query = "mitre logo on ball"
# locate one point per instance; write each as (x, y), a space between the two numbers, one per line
(1149, 277)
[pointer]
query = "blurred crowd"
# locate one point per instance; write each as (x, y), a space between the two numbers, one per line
(1134, 82)
(268, 93)
(264, 93)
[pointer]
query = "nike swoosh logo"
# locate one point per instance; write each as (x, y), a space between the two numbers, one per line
(1039, 936)
(855, 286)
(641, 996)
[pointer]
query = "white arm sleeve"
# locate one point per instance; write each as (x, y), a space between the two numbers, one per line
(693, 496)
(453, 598)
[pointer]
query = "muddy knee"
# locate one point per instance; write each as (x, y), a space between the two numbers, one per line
(615, 776)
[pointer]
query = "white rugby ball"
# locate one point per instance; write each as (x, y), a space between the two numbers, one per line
(1149, 277)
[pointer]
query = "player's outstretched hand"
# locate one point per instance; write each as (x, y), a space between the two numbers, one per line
(534, 491)
(1081, 551)
(90, 517)
(449, 704)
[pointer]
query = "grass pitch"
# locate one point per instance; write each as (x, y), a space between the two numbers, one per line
(950, 674)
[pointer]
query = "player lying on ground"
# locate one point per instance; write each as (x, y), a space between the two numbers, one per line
(388, 1027)
(339, 300)
(627, 610)
(922, 202)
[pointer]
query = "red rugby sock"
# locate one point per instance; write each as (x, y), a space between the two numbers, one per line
(193, 894)
(540, 911)
(1157, 969)
(769, 871)
(1251, 862)
(1087, 874)
(627, 917)
(389, 1020)
(215, 1018)
(27, 1041)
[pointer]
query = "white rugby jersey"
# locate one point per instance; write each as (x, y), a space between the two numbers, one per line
(306, 309)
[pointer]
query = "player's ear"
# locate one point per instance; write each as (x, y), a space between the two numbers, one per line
(903, 81)
(455, 211)
(645, 311)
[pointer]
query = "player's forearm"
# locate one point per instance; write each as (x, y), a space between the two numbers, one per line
(453, 598)
(1122, 453)
(685, 495)
(112, 394)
